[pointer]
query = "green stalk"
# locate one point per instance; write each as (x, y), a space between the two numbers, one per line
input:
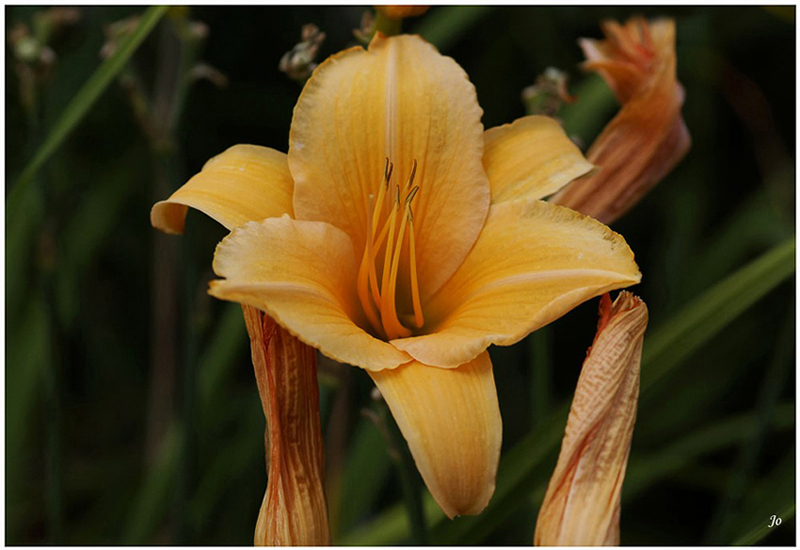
(409, 477)
(54, 475)
(387, 25)
(541, 354)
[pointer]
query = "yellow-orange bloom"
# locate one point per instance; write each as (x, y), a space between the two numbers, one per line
(400, 237)
(648, 137)
(582, 504)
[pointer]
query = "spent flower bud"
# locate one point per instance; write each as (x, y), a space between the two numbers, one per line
(582, 504)
(648, 137)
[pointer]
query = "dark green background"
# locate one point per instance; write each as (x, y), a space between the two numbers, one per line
(80, 306)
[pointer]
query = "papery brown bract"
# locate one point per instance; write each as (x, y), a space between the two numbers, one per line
(582, 504)
(293, 512)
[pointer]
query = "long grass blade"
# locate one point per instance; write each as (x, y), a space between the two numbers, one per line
(85, 98)
(674, 341)
(758, 533)
(154, 497)
(646, 470)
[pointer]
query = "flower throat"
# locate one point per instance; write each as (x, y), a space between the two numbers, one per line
(379, 301)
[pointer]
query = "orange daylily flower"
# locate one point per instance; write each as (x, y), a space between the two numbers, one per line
(399, 237)
(582, 504)
(648, 137)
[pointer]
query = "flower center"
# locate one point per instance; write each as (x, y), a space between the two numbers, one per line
(379, 301)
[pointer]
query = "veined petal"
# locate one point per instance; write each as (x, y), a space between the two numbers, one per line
(451, 421)
(403, 101)
(582, 504)
(245, 183)
(302, 274)
(531, 158)
(532, 263)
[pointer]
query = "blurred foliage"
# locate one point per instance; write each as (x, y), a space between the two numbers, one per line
(101, 448)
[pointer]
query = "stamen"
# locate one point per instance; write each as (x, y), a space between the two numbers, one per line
(390, 244)
(387, 171)
(369, 307)
(391, 323)
(378, 207)
(411, 196)
(419, 320)
(413, 173)
(370, 253)
(379, 302)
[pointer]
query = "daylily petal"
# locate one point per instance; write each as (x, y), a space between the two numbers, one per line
(582, 504)
(400, 99)
(451, 421)
(531, 158)
(533, 262)
(245, 183)
(301, 273)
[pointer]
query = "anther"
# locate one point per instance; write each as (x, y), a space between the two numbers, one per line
(411, 195)
(413, 174)
(387, 171)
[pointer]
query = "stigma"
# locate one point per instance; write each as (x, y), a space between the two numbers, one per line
(390, 239)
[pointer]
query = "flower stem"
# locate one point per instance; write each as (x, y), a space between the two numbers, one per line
(387, 25)
(540, 351)
(409, 476)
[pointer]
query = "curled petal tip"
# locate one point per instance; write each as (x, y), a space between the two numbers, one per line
(168, 217)
(243, 183)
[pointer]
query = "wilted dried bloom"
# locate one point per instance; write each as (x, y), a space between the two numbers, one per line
(582, 504)
(293, 512)
(647, 138)
(401, 12)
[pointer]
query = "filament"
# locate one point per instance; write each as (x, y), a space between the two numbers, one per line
(379, 302)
